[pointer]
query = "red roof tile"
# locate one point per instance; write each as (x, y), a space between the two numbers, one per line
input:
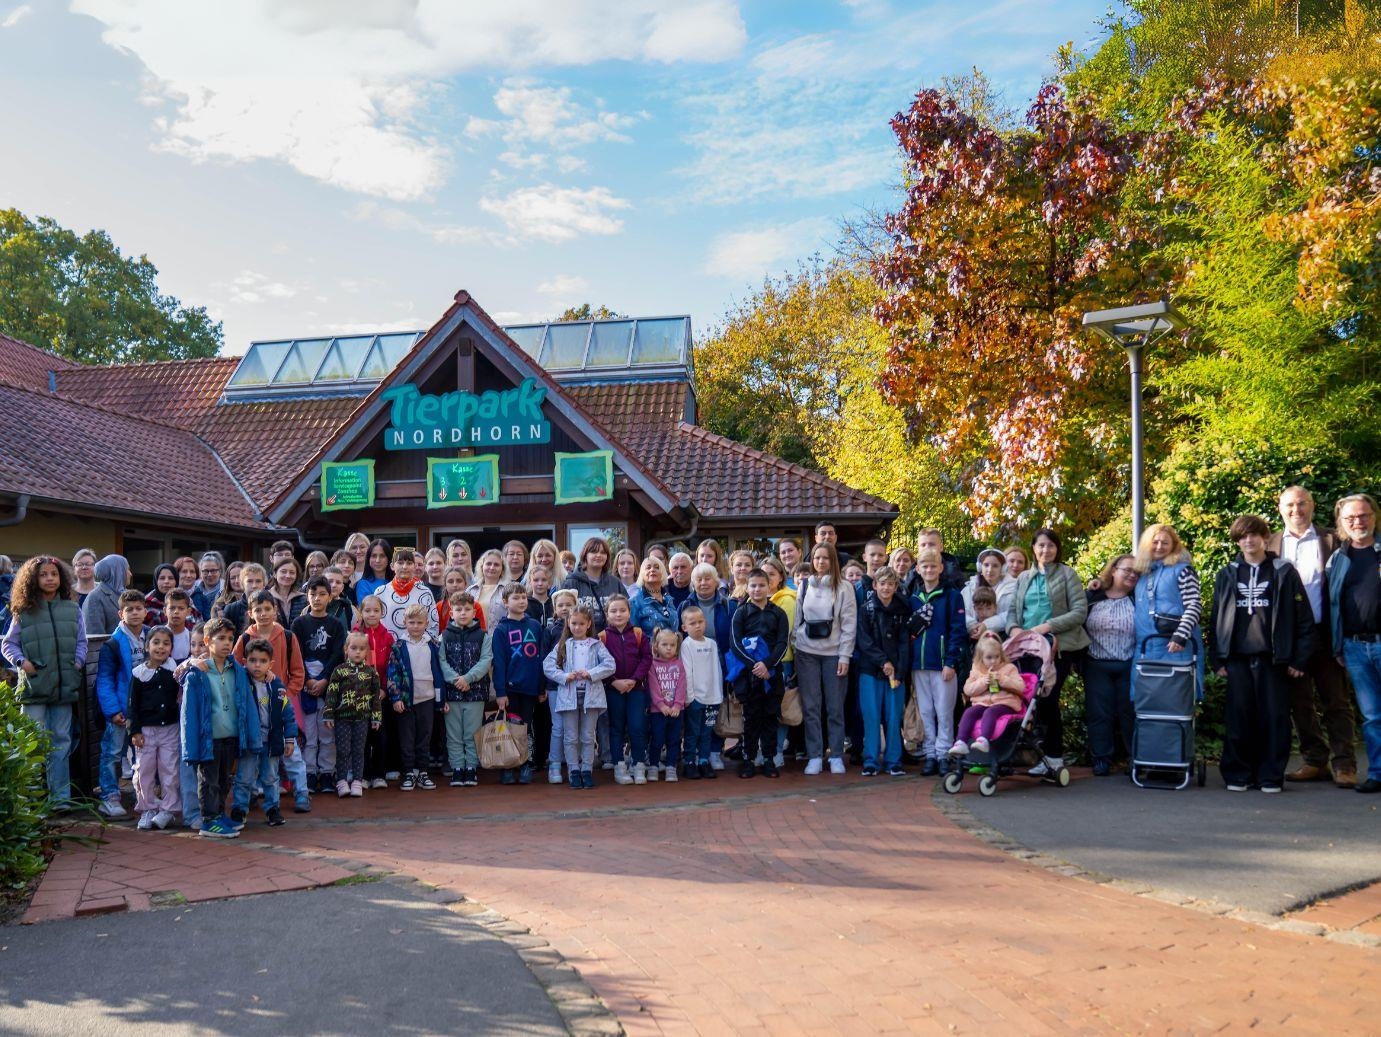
(179, 392)
(28, 366)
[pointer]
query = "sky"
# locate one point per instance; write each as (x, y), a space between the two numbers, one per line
(303, 167)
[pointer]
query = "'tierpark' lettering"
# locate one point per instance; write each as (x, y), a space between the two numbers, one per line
(463, 419)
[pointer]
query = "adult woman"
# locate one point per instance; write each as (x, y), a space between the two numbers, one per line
(991, 573)
(357, 546)
(487, 590)
(546, 553)
(592, 581)
(187, 572)
(741, 563)
(164, 580)
(376, 572)
(826, 622)
(1049, 599)
(210, 582)
(710, 553)
(515, 559)
(287, 594)
(626, 569)
(101, 609)
(315, 565)
(660, 552)
(1017, 562)
(83, 573)
(652, 609)
(1168, 598)
(789, 552)
(1111, 625)
(903, 563)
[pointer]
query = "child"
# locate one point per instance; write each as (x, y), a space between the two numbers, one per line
(984, 608)
(404, 591)
(352, 710)
(46, 644)
(468, 650)
(373, 579)
(323, 648)
(258, 764)
(666, 685)
(253, 578)
(119, 656)
(539, 594)
(453, 582)
(884, 642)
(219, 718)
(416, 676)
(940, 634)
(339, 607)
(288, 652)
(994, 690)
(632, 653)
(191, 802)
(758, 641)
(434, 575)
(155, 732)
(578, 666)
(518, 684)
(381, 744)
(177, 609)
(563, 604)
(704, 692)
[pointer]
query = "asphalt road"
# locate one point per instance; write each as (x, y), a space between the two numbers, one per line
(370, 959)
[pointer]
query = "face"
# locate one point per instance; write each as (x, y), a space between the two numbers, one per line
(617, 611)
(904, 562)
(885, 588)
(232, 577)
(651, 575)
(160, 646)
(706, 585)
(165, 581)
(666, 645)
(1124, 574)
(544, 555)
(220, 646)
(1357, 520)
(706, 554)
(820, 561)
(740, 567)
(315, 567)
(463, 613)
(49, 579)
(930, 572)
(540, 581)
(564, 607)
(1252, 544)
(1016, 563)
(774, 580)
(516, 558)
(252, 582)
(378, 561)
(694, 624)
(579, 624)
(1044, 549)
(264, 613)
(928, 542)
(278, 556)
(259, 665)
(176, 612)
(826, 535)
(597, 558)
(789, 553)
(416, 626)
(436, 568)
(1161, 545)
(286, 575)
(853, 572)
(516, 603)
(371, 612)
(680, 571)
(874, 557)
(84, 566)
(187, 577)
(628, 568)
(404, 568)
(984, 611)
(757, 590)
(991, 567)
(455, 581)
(988, 655)
(1297, 509)
(493, 569)
(337, 582)
(318, 598)
(347, 566)
(359, 550)
(133, 615)
(455, 556)
(357, 649)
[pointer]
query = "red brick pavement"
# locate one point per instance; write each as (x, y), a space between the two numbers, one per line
(805, 907)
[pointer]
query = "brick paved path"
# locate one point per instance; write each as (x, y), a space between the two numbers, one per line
(847, 908)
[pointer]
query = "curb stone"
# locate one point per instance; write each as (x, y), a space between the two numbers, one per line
(959, 815)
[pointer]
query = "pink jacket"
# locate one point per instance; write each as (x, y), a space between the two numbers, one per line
(1011, 689)
(666, 680)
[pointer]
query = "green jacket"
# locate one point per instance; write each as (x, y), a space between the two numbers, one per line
(1068, 605)
(52, 637)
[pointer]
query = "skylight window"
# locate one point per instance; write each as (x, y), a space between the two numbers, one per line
(348, 363)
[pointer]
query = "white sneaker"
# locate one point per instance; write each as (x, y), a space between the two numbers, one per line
(608, 765)
(779, 760)
(671, 774)
(981, 744)
(111, 808)
(815, 765)
(960, 748)
(1045, 767)
(378, 783)
(342, 789)
(653, 773)
(836, 765)
(392, 776)
(357, 789)
(639, 774)
(554, 774)
(621, 775)
(146, 820)
(716, 761)
(163, 819)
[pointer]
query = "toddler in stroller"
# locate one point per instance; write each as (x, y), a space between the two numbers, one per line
(999, 723)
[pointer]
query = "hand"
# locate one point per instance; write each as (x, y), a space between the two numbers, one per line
(137, 740)
(1095, 584)
(1294, 672)
(542, 697)
(625, 685)
(760, 671)
(1015, 632)
(888, 670)
(462, 684)
(200, 662)
(1042, 629)
(289, 745)
(502, 702)
(1175, 647)
(842, 670)
(1222, 671)
(30, 668)
(1339, 659)
(119, 720)
(373, 725)
(947, 673)
(330, 724)
(398, 706)
(675, 711)
(445, 707)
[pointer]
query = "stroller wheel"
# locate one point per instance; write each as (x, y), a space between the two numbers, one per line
(987, 785)
(1062, 777)
(954, 781)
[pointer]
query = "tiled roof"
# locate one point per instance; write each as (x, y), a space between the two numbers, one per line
(179, 392)
(28, 366)
(76, 452)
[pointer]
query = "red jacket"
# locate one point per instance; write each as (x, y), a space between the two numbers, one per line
(632, 653)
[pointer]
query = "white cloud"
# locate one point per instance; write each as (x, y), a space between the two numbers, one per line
(250, 286)
(398, 219)
(564, 286)
(539, 116)
(340, 91)
(16, 16)
(748, 255)
(554, 214)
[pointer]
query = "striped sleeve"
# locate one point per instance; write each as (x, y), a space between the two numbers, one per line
(1192, 596)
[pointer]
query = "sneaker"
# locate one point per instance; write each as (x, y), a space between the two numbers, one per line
(424, 782)
(608, 765)
(357, 789)
(653, 773)
(1102, 768)
(1270, 790)
(639, 774)
(745, 769)
(587, 779)
(508, 777)
(146, 821)
(111, 808)
(409, 781)
(218, 828)
(769, 770)
(472, 778)
(837, 765)
(392, 775)
(959, 748)
(575, 782)
(163, 819)
(717, 761)
(734, 752)
(621, 775)
(707, 771)
(896, 770)
(981, 744)
(457, 779)
(870, 770)
(237, 818)
(1047, 766)
(274, 818)
(1237, 788)
(302, 806)
(525, 774)
(690, 771)
(342, 789)
(313, 783)
(930, 767)
(671, 774)
(815, 765)
(779, 760)
(378, 783)
(554, 774)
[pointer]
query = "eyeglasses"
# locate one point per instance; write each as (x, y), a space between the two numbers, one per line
(1126, 569)
(1367, 517)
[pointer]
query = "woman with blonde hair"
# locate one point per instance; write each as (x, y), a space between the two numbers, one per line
(487, 589)
(1168, 597)
(547, 555)
(708, 552)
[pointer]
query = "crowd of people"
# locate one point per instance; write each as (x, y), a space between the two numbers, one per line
(379, 664)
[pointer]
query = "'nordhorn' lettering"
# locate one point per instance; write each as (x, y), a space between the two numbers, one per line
(495, 418)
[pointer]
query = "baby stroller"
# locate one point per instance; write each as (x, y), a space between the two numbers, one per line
(1164, 692)
(1016, 741)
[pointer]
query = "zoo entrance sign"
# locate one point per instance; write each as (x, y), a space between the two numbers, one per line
(462, 419)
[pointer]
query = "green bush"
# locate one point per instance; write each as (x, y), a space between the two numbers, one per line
(23, 793)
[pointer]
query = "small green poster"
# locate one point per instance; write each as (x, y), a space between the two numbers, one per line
(454, 482)
(584, 477)
(347, 485)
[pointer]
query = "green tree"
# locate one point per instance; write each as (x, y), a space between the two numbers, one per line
(81, 298)
(585, 312)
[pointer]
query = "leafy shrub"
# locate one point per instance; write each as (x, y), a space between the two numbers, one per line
(23, 793)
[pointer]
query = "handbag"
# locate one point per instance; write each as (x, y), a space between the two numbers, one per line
(819, 629)
(791, 714)
(730, 720)
(1166, 625)
(912, 727)
(501, 743)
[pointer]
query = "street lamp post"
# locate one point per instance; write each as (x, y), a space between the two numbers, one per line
(1134, 328)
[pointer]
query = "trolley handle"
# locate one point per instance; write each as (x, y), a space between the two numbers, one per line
(1192, 646)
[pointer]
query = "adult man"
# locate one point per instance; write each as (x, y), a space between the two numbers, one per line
(1354, 603)
(825, 533)
(934, 540)
(1308, 547)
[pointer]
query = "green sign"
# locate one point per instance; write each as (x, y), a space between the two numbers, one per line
(346, 485)
(584, 477)
(457, 482)
(464, 419)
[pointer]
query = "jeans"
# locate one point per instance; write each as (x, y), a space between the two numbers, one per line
(295, 766)
(666, 734)
(1108, 705)
(57, 722)
(935, 698)
(213, 777)
(350, 736)
(881, 705)
(256, 768)
(556, 751)
(191, 799)
(579, 725)
(320, 743)
(1363, 660)
(627, 722)
(156, 771)
(113, 744)
(698, 731)
(822, 690)
(462, 724)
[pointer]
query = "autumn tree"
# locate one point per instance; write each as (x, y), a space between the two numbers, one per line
(81, 298)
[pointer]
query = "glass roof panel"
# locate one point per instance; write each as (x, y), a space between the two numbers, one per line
(565, 348)
(396, 346)
(344, 359)
(609, 344)
(528, 336)
(376, 366)
(259, 364)
(302, 361)
(662, 341)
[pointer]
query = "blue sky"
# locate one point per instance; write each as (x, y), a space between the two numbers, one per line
(309, 166)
